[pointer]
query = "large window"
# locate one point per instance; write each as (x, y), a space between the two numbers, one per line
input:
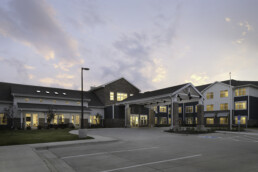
(143, 120)
(76, 120)
(112, 96)
(179, 109)
(3, 119)
(163, 120)
(189, 109)
(32, 120)
(94, 120)
(163, 109)
(209, 121)
(156, 120)
(209, 107)
(240, 92)
(224, 106)
(189, 120)
(242, 120)
(121, 96)
(240, 105)
(209, 95)
(223, 120)
(224, 93)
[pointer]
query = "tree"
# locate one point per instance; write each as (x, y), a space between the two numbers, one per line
(50, 115)
(10, 112)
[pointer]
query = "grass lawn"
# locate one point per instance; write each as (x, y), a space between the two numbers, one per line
(16, 137)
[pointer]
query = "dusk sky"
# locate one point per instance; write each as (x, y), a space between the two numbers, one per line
(152, 43)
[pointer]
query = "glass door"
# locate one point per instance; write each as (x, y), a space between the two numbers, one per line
(143, 120)
(134, 120)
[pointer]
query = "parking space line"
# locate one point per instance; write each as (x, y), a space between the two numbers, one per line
(101, 153)
(155, 162)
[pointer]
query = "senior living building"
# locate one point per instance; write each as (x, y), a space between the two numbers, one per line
(121, 104)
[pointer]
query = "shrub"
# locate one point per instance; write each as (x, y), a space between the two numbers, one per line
(39, 127)
(28, 128)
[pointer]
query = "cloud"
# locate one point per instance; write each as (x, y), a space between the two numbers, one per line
(31, 76)
(65, 76)
(239, 41)
(198, 79)
(55, 82)
(34, 24)
(29, 67)
(227, 19)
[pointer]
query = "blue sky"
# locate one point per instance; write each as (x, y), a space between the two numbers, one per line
(152, 43)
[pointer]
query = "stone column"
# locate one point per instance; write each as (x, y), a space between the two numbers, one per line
(151, 118)
(127, 116)
(21, 120)
(113, 111)
(175, 116)
(200, 117)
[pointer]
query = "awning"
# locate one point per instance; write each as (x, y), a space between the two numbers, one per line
(222, 114)
(209, 115)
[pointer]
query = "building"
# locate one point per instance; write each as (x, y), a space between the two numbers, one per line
(119, 103)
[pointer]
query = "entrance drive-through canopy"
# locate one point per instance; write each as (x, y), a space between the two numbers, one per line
(181, 94)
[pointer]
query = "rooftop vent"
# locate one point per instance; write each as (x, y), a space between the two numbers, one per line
(38, 91)
(47, 92)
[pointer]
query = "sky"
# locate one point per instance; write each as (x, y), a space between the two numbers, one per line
(152, 43)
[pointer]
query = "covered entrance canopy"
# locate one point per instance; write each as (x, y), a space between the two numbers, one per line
(168, 96)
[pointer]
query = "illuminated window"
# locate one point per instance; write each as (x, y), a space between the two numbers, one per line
(56, 93)
(94, 120)
(54, 101)
(28, 120)
(240, 105)
(169, 120)
(169, 110)
(40, 100)
(224, 93)
(72, 119)
(47, 92)
(209, 121)
(26, 99)
(223, 120)
(155, 109)
(209, 107)
(179, 109)
(111, 95)
(163, 120)
(189, 120)
(77, 120)
(66, 102)
(163, 109)
(55, 119)
(196, 120)
(209, 95)
(3, 119)
(61, 119)
(156, 120)
(189, 109)
(143, 120)
(35, 121)
(196, 108)
(224, 106)
(242, 120)
(78, 103)
(240, 92)
(38, 91)
(121, 96)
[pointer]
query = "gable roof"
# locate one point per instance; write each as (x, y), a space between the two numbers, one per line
(154, 93)
(5, 92)
(103, 85)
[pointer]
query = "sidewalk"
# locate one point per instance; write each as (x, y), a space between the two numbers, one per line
(241, 132)
(25, 158)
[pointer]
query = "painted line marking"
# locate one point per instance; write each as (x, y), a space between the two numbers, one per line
(155, 162)
(101, 153)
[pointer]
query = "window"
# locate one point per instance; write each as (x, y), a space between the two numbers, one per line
(242, 120)
(35, 121)
(54, 101)
(94, 120)
(55, 119)
(209, 107)
(163, 120)
(189, 109)
(121, 96)
(224, 106)
(41, 100)
(223, 120)
(240, 105)
(78, 103)
(179, 109)
(60, 119)
(38, 91)
(111, 95)
(47, 92)
(155, 109)
(196, 120)
(64, 94)
(66, 102)
(28, 120)
(209, 95)
(143, 120)
(156, 120)
(56, 93)
(240, 92)
(169, 120)
(224, 93)
(196, 108)
(3, 119)
(163, 109)
(77, 120)
(209, 121)
(169, 110)
(189, 120)
(131, 94)
(26, 99)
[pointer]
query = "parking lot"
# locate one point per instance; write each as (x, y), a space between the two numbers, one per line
(151, 149)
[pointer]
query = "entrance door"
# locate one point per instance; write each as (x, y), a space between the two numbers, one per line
(134, 122)
(143, 120)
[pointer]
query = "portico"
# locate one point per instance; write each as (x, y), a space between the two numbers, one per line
(170, 97)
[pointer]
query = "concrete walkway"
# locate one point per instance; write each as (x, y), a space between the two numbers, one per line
(251, 133)
(36, 157)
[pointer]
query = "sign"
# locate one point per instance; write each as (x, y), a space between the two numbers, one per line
(239, 119)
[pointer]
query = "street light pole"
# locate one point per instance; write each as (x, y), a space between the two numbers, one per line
(82, 123)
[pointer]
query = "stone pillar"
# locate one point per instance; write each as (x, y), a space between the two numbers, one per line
(127, 116)
(200, 117)
(21, 120)
(113, 111)
(175, 116)
(151, 118)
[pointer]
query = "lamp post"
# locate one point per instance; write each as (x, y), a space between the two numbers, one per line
(82, 95)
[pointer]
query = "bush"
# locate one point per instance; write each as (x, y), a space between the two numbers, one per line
(39, 127)
(28, 128)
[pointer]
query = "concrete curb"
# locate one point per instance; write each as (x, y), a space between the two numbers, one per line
(243, 133)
